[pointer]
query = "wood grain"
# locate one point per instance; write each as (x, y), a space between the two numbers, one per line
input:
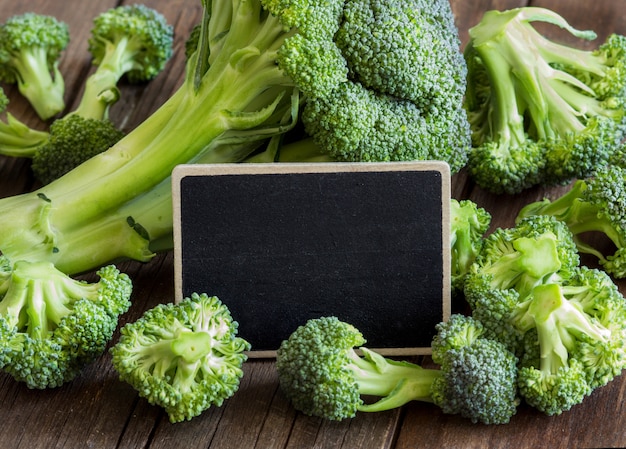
(97, 410)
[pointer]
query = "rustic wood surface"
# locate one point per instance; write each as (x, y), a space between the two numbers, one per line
(97, 410)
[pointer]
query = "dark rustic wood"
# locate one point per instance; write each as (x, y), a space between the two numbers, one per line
(97, 410)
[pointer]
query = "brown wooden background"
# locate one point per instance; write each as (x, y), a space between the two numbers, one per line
(98, 411)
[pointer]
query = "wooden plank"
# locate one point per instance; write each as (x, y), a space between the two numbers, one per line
(97, 410)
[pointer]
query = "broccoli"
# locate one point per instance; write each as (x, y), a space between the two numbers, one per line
(15, 136)
(541, 113)
(536, 249)
(135, 41)
(468, 226)
(564, 322)
(30, 48)
(71, 141)
(593, 204)
(255, 64)
(397, 97)
(4, 100)
(51, 326)
(183, 357)
(322, 374)
(578, 339)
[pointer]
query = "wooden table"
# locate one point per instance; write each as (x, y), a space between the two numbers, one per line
(97, 410)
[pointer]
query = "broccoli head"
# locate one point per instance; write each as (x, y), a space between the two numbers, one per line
(377, 88)
(593, 204)
(30, 48)
(4, 100)
(183, 357)
(322, 374)
(51, 326)
(540, 112)
(72, 140)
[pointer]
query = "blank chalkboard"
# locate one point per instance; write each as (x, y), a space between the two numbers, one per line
(282, 243)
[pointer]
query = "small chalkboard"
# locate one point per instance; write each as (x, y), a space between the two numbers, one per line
(282, 243)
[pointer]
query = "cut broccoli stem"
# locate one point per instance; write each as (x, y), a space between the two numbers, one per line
(396, 382)
(18, 139)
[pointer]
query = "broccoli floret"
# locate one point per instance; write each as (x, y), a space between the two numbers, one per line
(520, 258)
(579, 329)
(593, 204)
(540, 112)
(51, 325)
(322, 374)
(134, 41)
(30, 48)
(71, 142)
(386, 93)
(468, 226)
(564, 322)
(183, 357)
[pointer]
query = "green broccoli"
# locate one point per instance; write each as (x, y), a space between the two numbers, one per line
(51, 326)
(565, 322)
(540, 112)
(183, 357)
(322, 374)
(593, 204)
(4, 100)
(252, 69)
(135, 41)
(468, 226)
(394, 95)
(71, 141)
(524, 256)
(578, 335)
(30, 48)
(131, 40)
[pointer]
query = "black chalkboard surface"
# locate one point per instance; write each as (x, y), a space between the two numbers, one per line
(282, 243)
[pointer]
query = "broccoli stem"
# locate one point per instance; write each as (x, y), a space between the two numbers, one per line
(101, 87)
(43, 89)
(397, 382)
(188, 128)
(580, 215)
(18, 139)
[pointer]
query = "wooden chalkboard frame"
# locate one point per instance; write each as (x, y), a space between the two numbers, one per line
(427, 181)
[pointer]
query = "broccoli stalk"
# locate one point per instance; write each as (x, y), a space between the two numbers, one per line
(133, 41)
(30, 48)
(183, 357)
(541, 112)
(322, 374)
(51, 326)
(594, 204)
